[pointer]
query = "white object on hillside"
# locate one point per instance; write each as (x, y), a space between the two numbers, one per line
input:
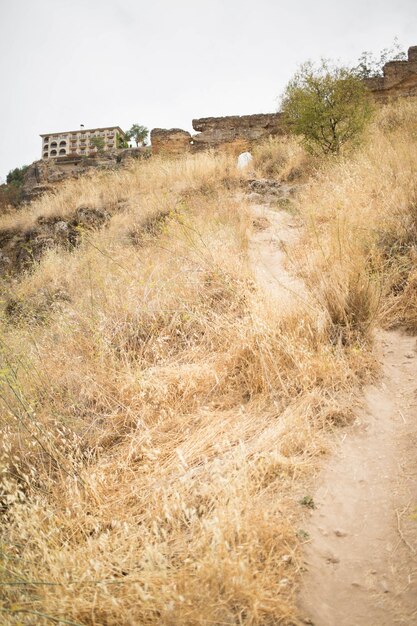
(243, 160)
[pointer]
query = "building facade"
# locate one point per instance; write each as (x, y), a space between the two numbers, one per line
(78, 143)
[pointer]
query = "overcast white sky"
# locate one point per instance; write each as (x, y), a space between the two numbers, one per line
(162, 62)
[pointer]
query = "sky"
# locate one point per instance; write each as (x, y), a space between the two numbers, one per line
(162, 63)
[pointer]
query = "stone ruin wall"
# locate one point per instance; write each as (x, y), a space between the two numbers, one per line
(238, 133)
(399, 79)
(235, 133)
(170, 141)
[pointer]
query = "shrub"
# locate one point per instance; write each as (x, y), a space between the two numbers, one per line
(15, 177)
(328, 106)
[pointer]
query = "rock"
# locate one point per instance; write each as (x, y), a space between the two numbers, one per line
(265, 186)
(214, 132)
(171, 142)
(243, 160)
(90, 217)
(399, 79)
(21, 248)
(41, 176)
(261, 223)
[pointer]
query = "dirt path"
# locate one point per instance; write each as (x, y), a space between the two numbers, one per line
(361, 559)
(270, 253)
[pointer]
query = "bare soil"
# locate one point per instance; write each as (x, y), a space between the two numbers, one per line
(270, 253)
(360, 556)
(361, 560)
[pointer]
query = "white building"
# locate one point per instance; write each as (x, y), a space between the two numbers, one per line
(78, 142)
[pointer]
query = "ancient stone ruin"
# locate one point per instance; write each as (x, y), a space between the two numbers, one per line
(399, 79)
(227, 133)
(172, 141)
(234, 134)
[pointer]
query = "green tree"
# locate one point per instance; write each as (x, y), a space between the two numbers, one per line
(370, 65)
(138, 133)
(15, 177)
(328, 106)
(98, 142)
(122, 142)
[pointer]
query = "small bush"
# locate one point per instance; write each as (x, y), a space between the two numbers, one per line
(327, 106)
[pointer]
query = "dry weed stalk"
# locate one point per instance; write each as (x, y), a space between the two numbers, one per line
(160, 415)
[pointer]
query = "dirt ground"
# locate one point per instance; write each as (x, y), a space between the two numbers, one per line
(360, 558)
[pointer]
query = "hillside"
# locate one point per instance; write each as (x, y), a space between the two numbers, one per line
(178, 354)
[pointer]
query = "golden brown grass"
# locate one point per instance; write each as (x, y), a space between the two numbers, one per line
(283, 158)
(362, 234)
(161, 417)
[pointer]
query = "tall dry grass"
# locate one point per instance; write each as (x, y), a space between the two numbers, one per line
(161, 418)
(283, 158)
(361, 240)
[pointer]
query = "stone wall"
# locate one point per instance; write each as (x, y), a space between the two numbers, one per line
(170, 142)
(215, 132)
(399, 79)
(232, 133)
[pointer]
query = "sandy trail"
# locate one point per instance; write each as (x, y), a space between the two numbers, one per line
(361, 558)
(361, 561)
(270, 254)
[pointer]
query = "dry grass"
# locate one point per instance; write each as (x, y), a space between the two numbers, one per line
(161, 417)
(283, 158)
(362, 236)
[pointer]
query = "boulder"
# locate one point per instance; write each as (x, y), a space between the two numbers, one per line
(215, 132)
(174, 141)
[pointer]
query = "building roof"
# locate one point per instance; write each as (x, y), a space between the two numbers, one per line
(85, 130)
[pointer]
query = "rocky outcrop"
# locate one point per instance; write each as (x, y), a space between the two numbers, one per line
(215, 132)
(170, 142)
(41, 176)
(399, 79)
(20, 248)
(241, 131)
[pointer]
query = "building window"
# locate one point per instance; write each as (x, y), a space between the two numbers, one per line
(62, 143)
(53, 152)
(46, 140)
(62, 151)
(54, 144)
(45, 155)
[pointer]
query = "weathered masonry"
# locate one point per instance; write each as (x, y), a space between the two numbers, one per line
(240, 131)
(399, 79)
(79, 142)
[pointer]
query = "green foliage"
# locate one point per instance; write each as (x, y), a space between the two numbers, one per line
(328, 106)
(138, 133)
(15, 177)
(98, 142)
(308, 502)
(370, 65)
(121, 142)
